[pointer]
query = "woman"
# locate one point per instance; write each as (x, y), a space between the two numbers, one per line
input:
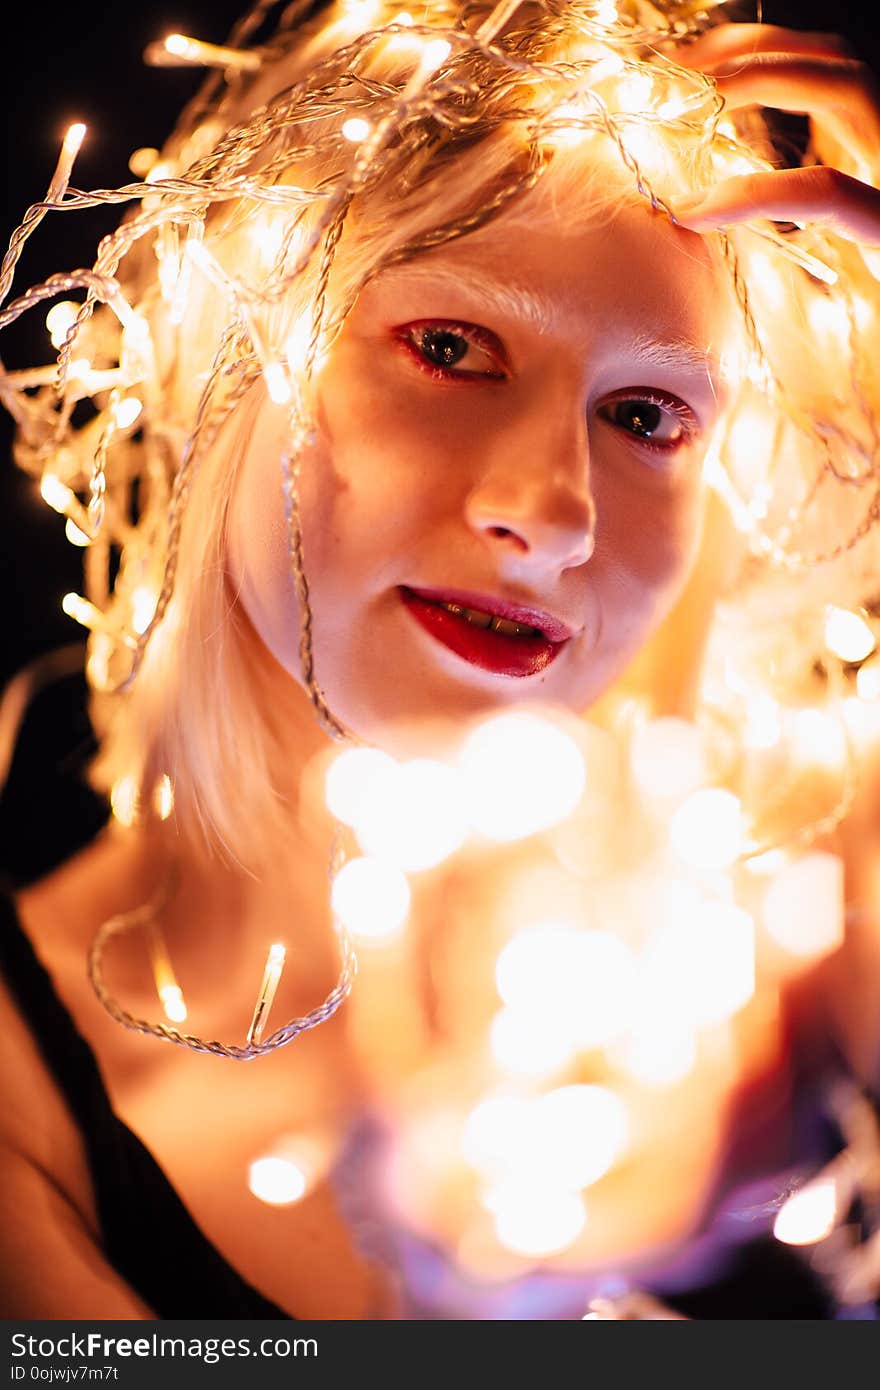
(406, 380)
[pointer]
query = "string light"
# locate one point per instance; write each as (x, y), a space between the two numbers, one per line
(268, 986)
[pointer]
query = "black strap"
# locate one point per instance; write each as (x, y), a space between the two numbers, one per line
(149, 1236)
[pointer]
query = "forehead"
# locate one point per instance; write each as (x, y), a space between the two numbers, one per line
(623, 272)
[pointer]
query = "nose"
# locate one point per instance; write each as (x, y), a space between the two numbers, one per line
(533, 497)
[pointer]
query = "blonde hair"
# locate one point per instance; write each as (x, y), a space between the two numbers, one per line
(259, 226)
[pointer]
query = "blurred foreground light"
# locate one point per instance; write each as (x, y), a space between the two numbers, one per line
(535, 1220)
(415, 816)
(355, 129)
(60, 318)
(163, 797)
(868, 680)
(143, 606)
(277, 1181)
(803, 908)
(706, 830)
(522, 774)
(528, 1044)
(351, 781)
(492, 1133)
(819, 738)
(124, 800)
(667, 758)
(701, 964)
(658, 1056)
(74, 534)
(808, 1215)
(582, 980)
(847, 634)
(57, 494)
(576, 1135)
(126, 412)
(371, 898)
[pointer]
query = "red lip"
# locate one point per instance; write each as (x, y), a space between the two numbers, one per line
(491, 651)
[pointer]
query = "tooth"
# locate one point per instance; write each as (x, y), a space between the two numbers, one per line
(508, 627)
(478, 619)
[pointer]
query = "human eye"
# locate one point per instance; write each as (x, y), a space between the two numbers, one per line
(447, 349)
(654, 419)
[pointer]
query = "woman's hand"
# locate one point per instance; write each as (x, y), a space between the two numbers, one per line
(807, 74)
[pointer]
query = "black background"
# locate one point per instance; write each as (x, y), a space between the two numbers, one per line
(85, 63)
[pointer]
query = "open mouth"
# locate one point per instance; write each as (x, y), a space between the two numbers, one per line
(493, 641)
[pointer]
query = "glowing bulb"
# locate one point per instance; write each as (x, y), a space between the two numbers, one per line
(808, 1215)
(82, 611)
(173, 1003)
(415, 818)
(763, 723)
(371, 898)
(124, 800)
(847, 634)
(606, 12)
(667, 758)
(60, 318)
(492, 1134)
(819, 738)
(829, 319)
(178, 45)
(608, 66)
(351, 781)
(576, 982)
(141, 160)
(403, 18)
(356, 129)
(527, 1045)
(522, 774)
(276, 381)
(700, 963)
(657, 1056)
(803, 907)
(56, 494)
(297, 345)
(576, 1135)
(127, 411)
(706, 831)
(143, 607)
(163, 797)
(75, 535)
(868, 680)
(633, 94)
(536, 1221)
(435, 52)
(277, 1181)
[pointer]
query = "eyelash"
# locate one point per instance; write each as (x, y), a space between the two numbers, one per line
(470, 333)
(487, 342)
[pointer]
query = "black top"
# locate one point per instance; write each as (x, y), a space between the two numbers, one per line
(148, 1235)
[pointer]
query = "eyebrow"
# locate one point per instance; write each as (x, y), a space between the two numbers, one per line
(540, 313)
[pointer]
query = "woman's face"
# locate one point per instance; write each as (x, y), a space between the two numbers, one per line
(511, 431)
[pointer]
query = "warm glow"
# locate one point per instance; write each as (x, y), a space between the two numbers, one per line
(579, 982)
(492, 1134)
(658, 1056)
(57, 494)
(808, 1215)
(819, 738)
(125, 412)
(667, 759)
(143, 606)
(60, 319)
(535, 1220)
(178, 45)
(277, 1181)
(706, 831)
(434, 52)
(356, 129)
(575, 1135)
(829, 319)
(762, 727)
(700, 963)
(351, 782)
(163, 797)
(277, 383)
(606, 12)
(371, 898)
(172, 1003)
(526, 1044)
(75, 535)
(868, 680)
(522, 774)
(124, 800)
(803, 908)
(415, 818)
(297, 345)
(847, 634)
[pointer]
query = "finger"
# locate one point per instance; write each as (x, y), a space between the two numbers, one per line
(819, 194)
(729, 41)
(826, 87)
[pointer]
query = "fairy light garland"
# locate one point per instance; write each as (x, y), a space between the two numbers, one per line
(105, 347)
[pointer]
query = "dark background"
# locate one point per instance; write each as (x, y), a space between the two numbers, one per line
(57, 68)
